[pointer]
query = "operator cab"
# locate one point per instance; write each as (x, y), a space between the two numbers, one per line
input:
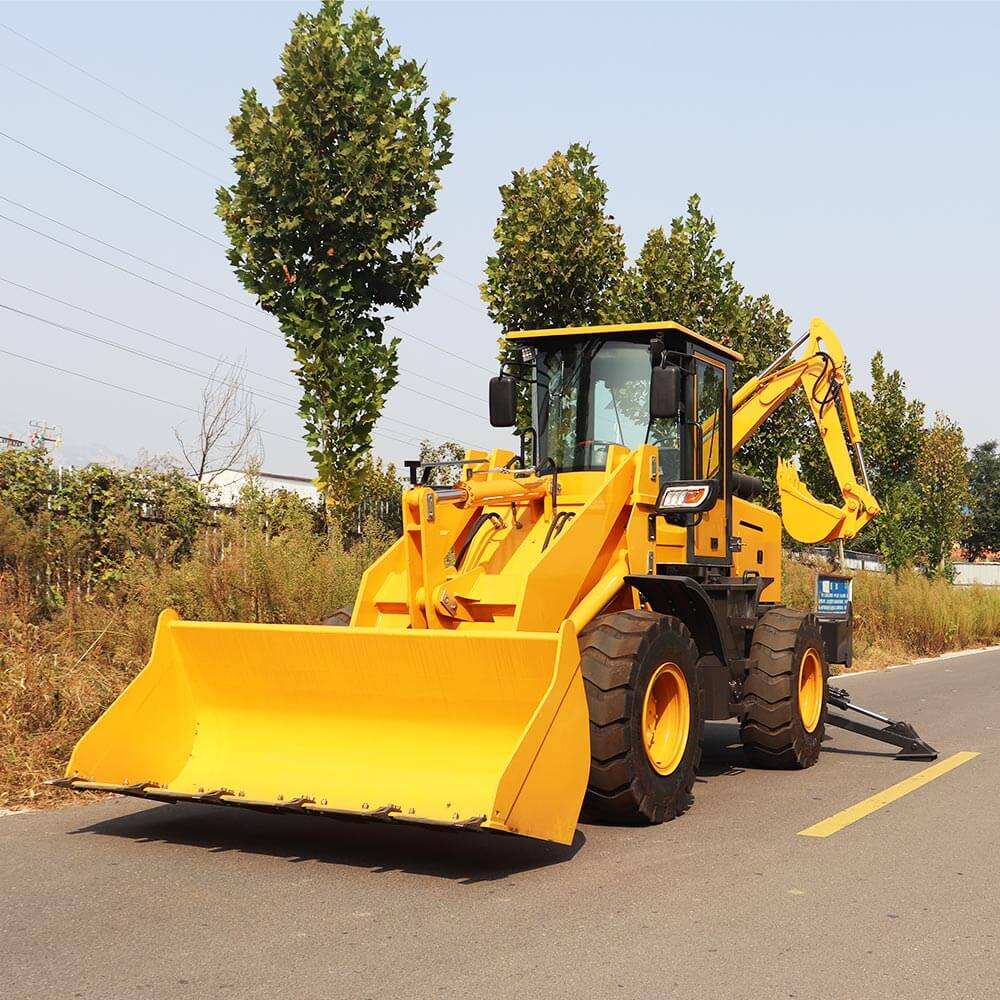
(627, 384)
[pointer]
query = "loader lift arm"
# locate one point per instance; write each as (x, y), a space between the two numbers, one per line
(821, 373)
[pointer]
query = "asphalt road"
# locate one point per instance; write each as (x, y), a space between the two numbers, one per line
(124, 899)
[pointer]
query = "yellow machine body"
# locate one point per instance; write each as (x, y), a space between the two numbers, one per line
(455, 696)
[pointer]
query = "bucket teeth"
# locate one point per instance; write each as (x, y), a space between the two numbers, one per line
(296, 805)
(383, 812)
(213, 796)
(472, 823)
(69, 782)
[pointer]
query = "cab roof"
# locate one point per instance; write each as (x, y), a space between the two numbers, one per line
(614, 328)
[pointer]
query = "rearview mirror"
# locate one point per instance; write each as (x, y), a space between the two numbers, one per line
(502, 403)
(665, 392)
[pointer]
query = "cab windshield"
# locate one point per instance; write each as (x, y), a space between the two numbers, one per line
(593, 393)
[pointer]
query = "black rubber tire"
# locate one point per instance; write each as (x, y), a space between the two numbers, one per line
(772, 730)
(619, 654)
(340, 618)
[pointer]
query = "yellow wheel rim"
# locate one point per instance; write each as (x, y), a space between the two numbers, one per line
(810, 689)
(666, 718)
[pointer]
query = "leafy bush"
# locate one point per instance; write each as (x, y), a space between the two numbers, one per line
(62, 530)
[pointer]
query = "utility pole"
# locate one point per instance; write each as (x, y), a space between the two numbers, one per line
(44, 433)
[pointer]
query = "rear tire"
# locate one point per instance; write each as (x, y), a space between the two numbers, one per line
(340, 618)
(784, 694)
(644, 700)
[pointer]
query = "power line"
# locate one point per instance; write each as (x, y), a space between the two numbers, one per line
(190, 229)
(135, 274)
(127, 253)
(117, 90)
(479, 310)
(135, 329)
(179, 366)
(113, 124)
(161, 115)
(113, 190)
(215, 309)
(160, 399)
(148, 142)
(121, 388)
(192, 350)
(438, 348)
(458, 277)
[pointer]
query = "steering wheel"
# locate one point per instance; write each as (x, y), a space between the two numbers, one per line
(590, 441)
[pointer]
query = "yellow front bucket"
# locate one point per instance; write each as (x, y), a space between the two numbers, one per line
(472, 729)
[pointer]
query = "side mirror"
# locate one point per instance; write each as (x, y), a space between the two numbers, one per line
(502, 402)
(665, 392)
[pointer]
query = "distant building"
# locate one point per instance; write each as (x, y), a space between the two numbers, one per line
(226, 485)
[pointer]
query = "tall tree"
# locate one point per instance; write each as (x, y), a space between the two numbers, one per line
(560, 256)
(326, 220)
(685, 276)
(944, 491)
(228, 432)
(983, 534)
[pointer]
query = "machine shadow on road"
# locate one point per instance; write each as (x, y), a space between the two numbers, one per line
(722, 751)
(463, 856)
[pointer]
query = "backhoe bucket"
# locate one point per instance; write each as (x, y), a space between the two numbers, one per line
(461, 728)
(805, 518)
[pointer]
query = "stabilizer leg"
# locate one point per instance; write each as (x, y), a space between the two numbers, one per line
(897, 733)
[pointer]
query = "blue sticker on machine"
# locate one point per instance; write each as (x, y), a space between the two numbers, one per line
(833, 596)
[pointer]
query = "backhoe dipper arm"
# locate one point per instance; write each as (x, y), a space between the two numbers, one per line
(821, 373)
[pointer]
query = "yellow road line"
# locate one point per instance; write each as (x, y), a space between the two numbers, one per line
(853, 813)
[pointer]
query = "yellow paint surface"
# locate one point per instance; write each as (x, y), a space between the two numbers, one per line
(875, 802)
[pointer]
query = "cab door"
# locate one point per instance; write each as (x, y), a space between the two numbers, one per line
(708, 540)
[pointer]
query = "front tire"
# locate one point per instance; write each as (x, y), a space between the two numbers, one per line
(640, 675)
(784, 694)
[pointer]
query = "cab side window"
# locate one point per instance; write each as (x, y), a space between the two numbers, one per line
(709, 393)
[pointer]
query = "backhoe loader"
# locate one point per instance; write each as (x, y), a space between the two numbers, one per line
(555, 624)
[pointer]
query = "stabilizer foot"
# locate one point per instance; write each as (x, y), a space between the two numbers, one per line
(896, 733)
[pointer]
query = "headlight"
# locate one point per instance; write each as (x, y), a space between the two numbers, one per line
(687, 496)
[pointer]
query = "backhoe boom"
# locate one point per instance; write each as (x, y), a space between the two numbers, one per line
(821, 374)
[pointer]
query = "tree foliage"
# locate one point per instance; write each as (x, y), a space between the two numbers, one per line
(685, 276)
(944, 491)
(559, 255)
(892, 435)
(326, 220)
(445, 451)
(982, 536)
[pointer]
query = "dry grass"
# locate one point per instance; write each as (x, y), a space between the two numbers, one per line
(59, 671)
(897, 619)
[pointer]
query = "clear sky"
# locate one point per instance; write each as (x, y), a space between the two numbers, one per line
(850, 155)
